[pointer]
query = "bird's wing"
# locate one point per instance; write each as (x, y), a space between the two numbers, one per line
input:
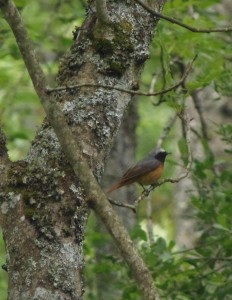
(139, 169)
(133, 174)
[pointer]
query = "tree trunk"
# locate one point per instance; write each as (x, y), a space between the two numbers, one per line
(43, 207)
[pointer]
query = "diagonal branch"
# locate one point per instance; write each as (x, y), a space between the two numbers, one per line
(197, 103)
(94, 195)
(174, 21)
(166, 131)
(204, 128)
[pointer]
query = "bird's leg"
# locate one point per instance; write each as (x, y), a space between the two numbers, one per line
(145, 191)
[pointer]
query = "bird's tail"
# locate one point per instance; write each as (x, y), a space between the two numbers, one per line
(115, 186)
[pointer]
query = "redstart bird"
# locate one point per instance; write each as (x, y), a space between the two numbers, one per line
(145, 172)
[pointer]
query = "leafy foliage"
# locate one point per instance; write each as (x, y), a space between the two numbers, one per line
(203, 272)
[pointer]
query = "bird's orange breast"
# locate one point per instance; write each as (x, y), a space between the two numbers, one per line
(152, 176)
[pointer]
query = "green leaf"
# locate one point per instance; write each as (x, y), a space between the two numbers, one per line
(138, 233)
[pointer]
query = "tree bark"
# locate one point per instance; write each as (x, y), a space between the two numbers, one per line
(43, 205)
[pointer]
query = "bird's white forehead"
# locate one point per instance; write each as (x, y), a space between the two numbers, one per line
(161, 150)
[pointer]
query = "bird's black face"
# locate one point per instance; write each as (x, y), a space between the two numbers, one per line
(161, 155)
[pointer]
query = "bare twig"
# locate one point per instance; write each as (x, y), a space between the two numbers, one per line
(174, 21)
(204, 138)
(204, 129)
(161, 98)
(144, 194)
(166, 131)
(152, 85)
(199, 246)
(196, 133)
(132, 92)
(198, 107)
(150, 225)
(121, 204)
(212, 272)
(94, 195)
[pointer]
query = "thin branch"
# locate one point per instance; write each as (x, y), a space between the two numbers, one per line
(152, 85)
(121, 204)
(197, 134)
(150, 225)
(161, 98)
(198, 107)
(102, 12)
(204, 129)
(94, 195)
(212, 272)
(174, 21)
(197, 104)
(213, 258)
(166, 131)
(132, 92)
(202, 245)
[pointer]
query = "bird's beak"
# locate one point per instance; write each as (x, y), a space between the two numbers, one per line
(169, 153)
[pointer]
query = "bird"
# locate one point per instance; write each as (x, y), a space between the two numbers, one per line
(145, 172)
